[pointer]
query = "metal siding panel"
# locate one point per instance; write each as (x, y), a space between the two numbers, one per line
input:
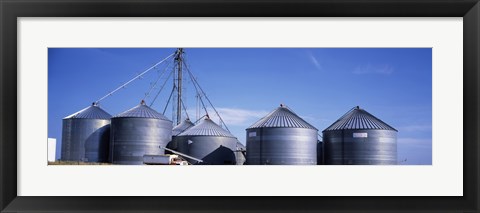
(379, 148)
(66, 139)
(319, 153)
(282, 146)
(97, 145)
(85, 140)
(131, 138)
(182, 144)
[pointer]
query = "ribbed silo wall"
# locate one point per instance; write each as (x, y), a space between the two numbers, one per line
(281, 146)
(174, 144)
(131, 138)
(320, 153)
(85, 140)
(240, 158)
(360, 147)
(181, 143)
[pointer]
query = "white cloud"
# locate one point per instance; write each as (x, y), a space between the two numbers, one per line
(233, 116)
(242, 117)
(314, 60)
(383, 69)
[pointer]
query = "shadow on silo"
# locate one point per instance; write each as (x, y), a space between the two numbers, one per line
(224, 153)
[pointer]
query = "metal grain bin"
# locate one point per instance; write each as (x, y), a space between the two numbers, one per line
(138, 132)
(359, 138)
(85, 135)
(240, 154)
(282, 138)
(174, 144)
(320, 153)
(184, 125)
(209, 142)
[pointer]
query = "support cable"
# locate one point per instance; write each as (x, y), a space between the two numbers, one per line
(199, 119)
(195, 82)
(133, 79)
(168, 101)
(147, 94)
(159, 91)
(196, 89)
(197, 106)
(185, 108)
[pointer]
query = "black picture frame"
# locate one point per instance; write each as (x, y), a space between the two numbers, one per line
(10, 10)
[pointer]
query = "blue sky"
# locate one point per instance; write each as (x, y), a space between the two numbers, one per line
(244, 84)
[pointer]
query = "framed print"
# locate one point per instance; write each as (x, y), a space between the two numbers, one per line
(35, 33)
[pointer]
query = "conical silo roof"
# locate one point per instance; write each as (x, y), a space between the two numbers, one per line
(91, 112)
(184, 125)
(206, 128)
(240, 146)
(358, 118)
(141, 111)
(282, 117)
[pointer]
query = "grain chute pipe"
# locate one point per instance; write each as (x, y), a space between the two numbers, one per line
(181, 154)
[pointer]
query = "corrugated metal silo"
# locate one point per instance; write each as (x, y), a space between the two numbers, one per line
(175, 144)
(240, 154)
(359, 138)
(138, 132)
(184, 125)
(85, 135)
(210, 142)
(282, 138)
(320, 153)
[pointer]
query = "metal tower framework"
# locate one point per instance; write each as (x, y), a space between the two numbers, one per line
(178, 65)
